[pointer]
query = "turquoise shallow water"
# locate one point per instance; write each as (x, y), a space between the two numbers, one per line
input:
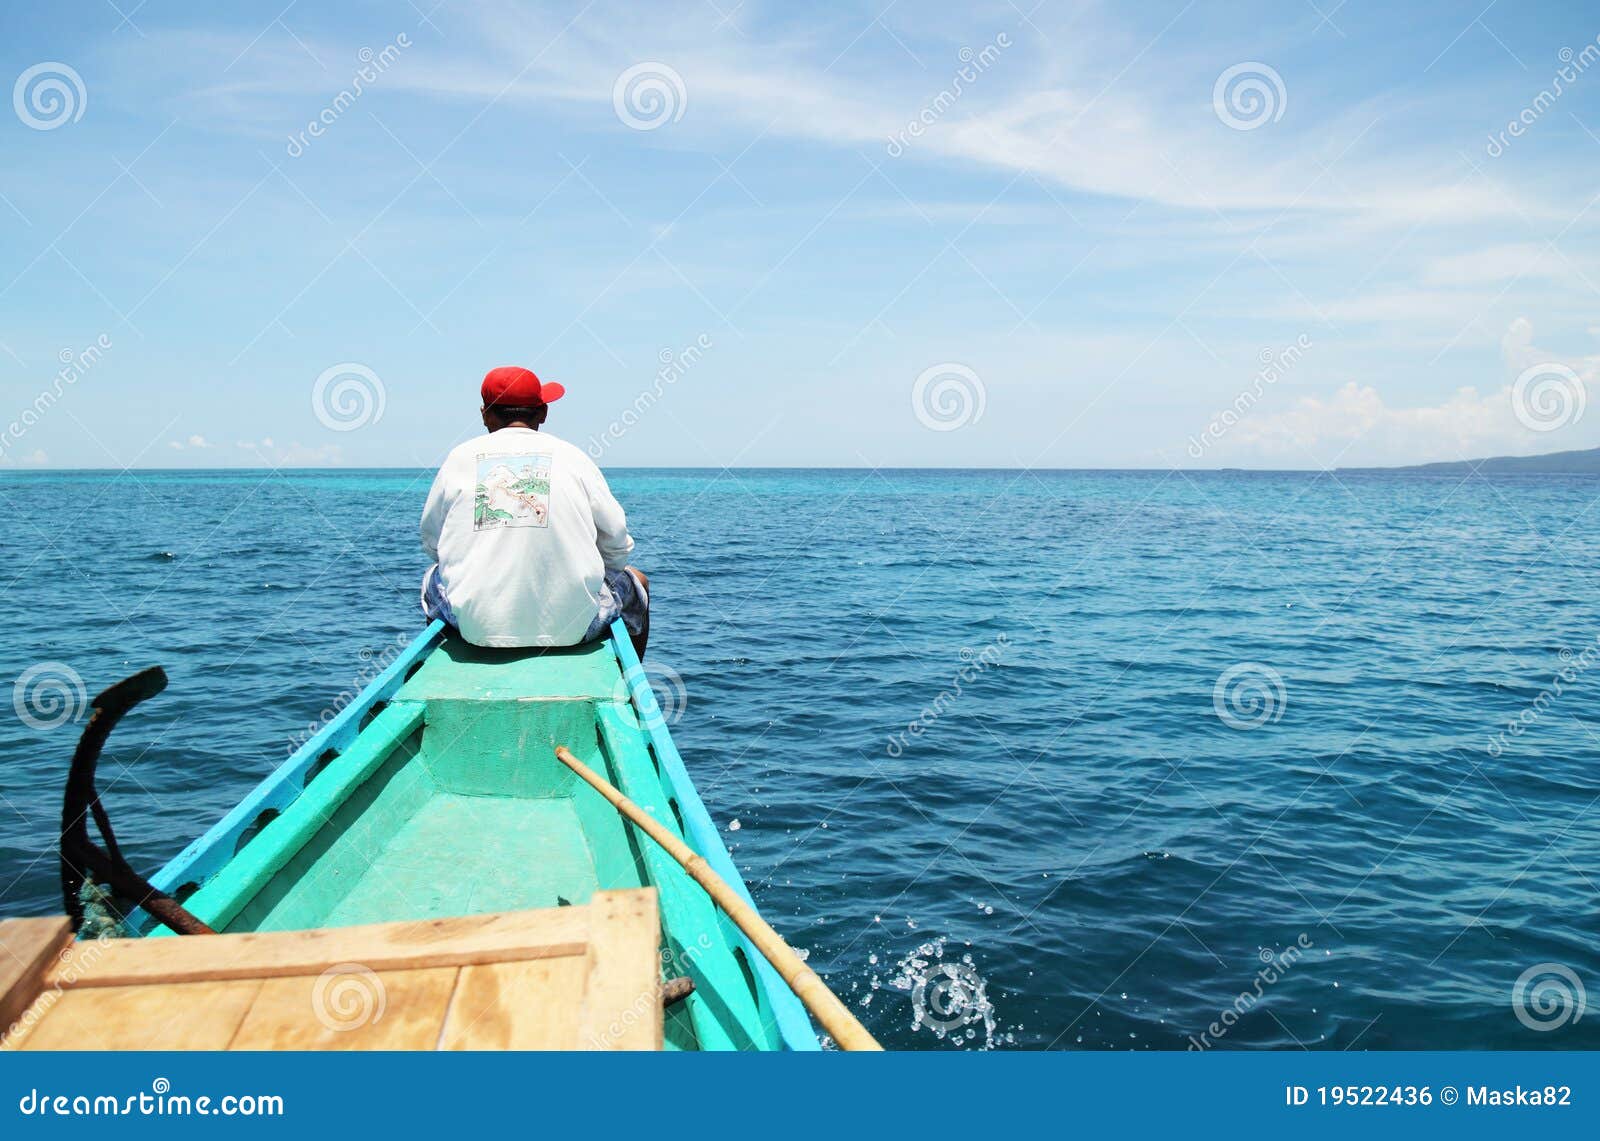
(976, 712)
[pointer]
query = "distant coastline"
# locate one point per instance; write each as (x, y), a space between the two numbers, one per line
(1584, 461)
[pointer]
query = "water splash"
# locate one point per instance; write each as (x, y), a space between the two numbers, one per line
(948, 996)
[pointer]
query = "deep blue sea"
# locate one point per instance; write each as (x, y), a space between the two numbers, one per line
(1145, 756)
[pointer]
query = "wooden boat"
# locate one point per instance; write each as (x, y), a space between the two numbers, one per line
(436, 794)
(559, 978)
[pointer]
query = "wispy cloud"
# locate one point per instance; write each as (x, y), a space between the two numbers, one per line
(1080, 221)
(1082, 119)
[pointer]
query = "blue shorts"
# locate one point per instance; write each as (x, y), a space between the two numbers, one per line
(434, 603)
(621, 596)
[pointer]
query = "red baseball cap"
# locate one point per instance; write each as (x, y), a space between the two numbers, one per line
(512, 387)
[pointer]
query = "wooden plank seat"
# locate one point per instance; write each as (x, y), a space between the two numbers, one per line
(567, 978)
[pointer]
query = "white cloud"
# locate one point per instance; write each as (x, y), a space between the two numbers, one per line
(199, 443)
(1071, 114)
(1355, 426)
(1521, 353)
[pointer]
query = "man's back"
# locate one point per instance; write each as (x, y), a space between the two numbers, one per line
(523, 528)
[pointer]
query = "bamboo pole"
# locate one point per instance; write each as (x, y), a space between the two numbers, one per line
(824, 1005)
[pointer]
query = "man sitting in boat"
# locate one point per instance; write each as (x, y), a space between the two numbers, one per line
(529, 546)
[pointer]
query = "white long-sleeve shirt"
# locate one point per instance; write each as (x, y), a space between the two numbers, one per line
(523, 527)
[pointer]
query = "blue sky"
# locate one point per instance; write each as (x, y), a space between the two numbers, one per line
(1088, 251)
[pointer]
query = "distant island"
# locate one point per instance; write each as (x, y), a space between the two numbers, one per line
(1583, 462)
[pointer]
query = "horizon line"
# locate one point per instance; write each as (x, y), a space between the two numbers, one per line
(1421, 468)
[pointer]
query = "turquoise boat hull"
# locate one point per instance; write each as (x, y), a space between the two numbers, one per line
(435, 792)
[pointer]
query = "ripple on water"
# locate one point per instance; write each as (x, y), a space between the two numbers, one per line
(1133, 856)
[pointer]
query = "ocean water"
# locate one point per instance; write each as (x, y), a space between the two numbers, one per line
(1084, 760)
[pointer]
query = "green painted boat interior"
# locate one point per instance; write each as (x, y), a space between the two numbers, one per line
(450, 802)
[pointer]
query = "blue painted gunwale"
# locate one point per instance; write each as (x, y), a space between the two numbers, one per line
(785, 1009)
(206, 856)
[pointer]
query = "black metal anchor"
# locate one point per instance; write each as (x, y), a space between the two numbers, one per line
(81, 858)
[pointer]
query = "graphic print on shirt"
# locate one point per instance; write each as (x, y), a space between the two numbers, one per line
(513, 491)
